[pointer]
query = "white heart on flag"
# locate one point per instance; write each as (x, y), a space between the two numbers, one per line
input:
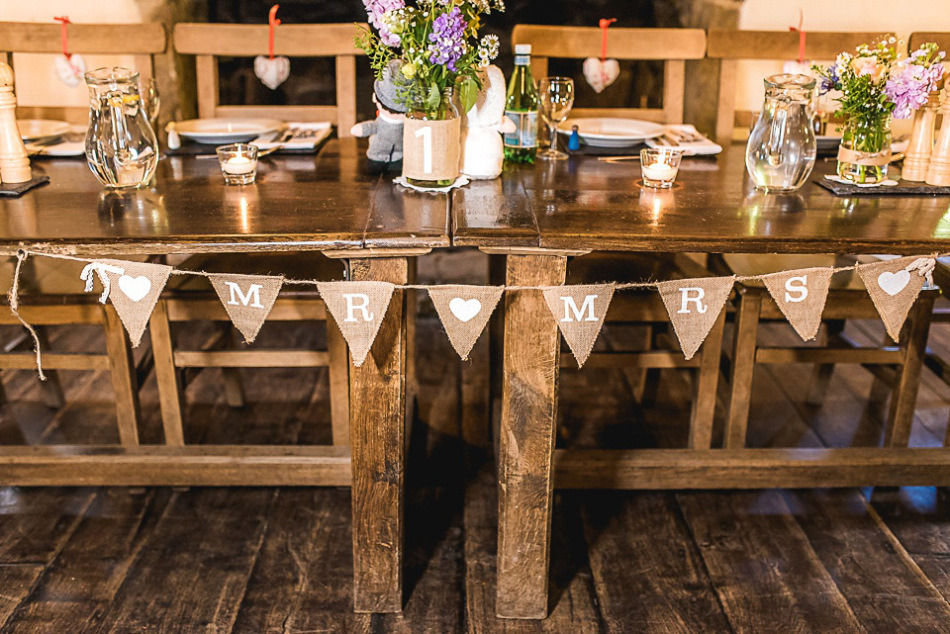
(70, 70)
(601, 73)
(135, 288)
(465, 310)
(272, 72)
(893, 283)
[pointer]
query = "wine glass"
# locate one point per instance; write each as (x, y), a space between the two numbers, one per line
(556, 95)
(151, 102)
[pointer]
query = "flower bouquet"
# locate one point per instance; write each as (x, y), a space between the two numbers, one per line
(873, 85)
(431, 48)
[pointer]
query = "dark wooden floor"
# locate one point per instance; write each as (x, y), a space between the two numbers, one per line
(278, 560)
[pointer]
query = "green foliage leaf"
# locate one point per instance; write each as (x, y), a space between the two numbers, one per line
(468, 92)
(434, 98)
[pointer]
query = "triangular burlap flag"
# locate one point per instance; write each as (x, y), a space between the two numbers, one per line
(358, 309)
(801, 296)
(464, 311)
(579, 311)
(248, 299)
(134, 292)
(693, 306)
(893, 286)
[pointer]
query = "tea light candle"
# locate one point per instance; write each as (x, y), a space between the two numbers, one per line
(659, 172)
(659, 166)
(239, 164)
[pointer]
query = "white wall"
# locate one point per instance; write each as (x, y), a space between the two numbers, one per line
(36, 84)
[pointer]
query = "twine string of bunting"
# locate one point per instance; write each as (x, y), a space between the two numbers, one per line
(359, 307)
(14, 299)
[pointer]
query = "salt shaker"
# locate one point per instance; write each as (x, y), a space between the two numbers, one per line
(14, 161)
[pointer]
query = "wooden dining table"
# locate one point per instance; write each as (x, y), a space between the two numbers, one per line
(324, 202)
(539, 216)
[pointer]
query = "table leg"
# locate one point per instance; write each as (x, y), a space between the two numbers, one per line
(526, 438)
(377, 437)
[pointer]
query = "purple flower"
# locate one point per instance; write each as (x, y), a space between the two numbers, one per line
(909, 86)
(448, 38)
(375, 9)
(829, 81)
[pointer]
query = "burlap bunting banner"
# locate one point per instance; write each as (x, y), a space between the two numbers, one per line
(801, 296)
(580, 312)
(894, 286)
(134, 288)
(693, 306)
(464, 312)
(248, 299)
(358, 309)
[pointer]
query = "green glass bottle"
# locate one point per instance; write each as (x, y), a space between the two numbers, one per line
(521, 106)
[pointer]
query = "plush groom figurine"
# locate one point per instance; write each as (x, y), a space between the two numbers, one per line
(385, 131)
(482, 149)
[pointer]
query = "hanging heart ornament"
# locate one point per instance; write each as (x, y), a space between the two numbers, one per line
(70, 70)
(601, 73)
(272, 72)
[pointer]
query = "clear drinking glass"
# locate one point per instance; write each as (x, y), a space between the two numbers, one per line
(556, 96)
(121, 147)
(238, 163)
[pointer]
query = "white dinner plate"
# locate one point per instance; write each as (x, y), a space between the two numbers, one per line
(608, 132)
(33, 130)
(224, 131)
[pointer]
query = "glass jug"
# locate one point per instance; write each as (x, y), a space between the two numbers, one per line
(781, 150)
(121, 147)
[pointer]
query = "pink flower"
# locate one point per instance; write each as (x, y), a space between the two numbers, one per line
(868, 66)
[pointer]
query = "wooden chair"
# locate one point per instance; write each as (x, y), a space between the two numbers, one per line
(191, 299)
(672, 46)
(143, 41)
(847, 299)
(646, 309)
(211, 41)
(51, 294)
(731, 46)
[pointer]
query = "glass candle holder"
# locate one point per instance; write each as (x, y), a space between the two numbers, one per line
(238, 163)
(658, 166)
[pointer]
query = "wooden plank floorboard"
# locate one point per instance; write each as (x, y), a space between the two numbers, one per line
(301, 579)
(647, 571)
(85, 576)
(763, 567)
(16, 583)
(884, 587)
(919, 517)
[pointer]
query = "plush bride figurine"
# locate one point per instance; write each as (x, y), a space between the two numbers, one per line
(482, 149)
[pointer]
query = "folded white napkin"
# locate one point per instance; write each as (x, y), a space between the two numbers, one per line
(306, 136)
(686, 137)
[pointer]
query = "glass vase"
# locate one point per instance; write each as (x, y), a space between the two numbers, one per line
(431, 142)
(865, 150)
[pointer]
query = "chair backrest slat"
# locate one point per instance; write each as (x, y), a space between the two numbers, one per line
(673, 46)
(731, 46)
(211, 41)
(85, 39)
(916, 39)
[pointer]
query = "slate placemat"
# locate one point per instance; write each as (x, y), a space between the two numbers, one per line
(13, 190)
(904, 188)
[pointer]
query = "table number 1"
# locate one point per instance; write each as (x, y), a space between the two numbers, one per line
(426, 134)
